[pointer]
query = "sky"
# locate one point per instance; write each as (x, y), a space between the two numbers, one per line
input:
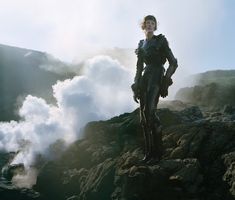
(200, 33)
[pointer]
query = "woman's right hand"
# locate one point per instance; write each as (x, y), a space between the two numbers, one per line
(136, 98)
(135, 89)
(166, 82)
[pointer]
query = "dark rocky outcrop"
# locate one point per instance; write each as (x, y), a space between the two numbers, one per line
(9, 192)
(197, 163)
(212, 95)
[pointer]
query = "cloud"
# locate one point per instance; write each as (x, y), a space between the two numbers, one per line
(103, 91)
(25, 180)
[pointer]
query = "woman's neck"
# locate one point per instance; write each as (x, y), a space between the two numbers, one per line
(149, 35)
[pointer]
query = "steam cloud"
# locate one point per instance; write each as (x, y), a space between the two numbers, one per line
(101, 92)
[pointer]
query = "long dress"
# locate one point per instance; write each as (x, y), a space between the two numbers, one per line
(153, 53)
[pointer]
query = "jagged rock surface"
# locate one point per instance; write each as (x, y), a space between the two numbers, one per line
(198, 161)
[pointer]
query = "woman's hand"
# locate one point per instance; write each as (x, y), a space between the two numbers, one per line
(166, 82)
(135, 89)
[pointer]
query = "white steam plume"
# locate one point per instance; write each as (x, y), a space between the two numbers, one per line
(102, 92)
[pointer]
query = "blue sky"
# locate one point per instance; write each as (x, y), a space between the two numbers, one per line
(219, 47)
(200, 33)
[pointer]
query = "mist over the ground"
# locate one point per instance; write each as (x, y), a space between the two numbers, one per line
(100, 93)
(55, 100)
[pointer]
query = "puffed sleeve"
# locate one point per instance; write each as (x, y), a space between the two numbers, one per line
(170, 57)
(140, 62)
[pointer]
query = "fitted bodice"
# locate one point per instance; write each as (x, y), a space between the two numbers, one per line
(151, 51)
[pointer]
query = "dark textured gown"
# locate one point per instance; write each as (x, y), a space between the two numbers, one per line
(153, 53)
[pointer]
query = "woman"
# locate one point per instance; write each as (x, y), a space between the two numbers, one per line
(150, 83)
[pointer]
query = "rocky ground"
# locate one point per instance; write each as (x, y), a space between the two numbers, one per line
(198, 161)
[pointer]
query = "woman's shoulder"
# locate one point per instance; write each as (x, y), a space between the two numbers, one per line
(162, 40)
(140, 42)
(160, 37)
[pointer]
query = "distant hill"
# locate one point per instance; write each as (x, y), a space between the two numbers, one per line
(213, 88)
(22, 72)
(221, 77)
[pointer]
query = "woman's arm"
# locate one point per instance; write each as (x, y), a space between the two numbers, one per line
(171, 59)
(140, 63)
(139, 68)
(167, 81)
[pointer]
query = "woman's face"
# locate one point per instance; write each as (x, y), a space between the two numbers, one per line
(150, 26)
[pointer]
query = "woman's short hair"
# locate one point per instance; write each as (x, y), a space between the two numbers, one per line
(148, 17)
